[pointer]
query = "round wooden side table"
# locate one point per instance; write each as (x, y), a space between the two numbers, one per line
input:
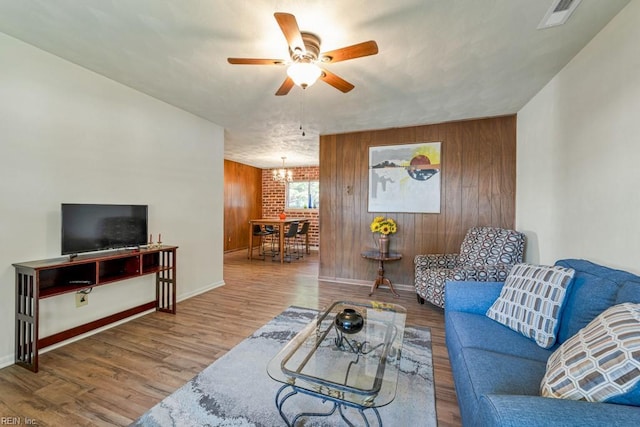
(376, 255)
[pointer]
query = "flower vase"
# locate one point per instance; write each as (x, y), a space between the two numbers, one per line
(383, 243)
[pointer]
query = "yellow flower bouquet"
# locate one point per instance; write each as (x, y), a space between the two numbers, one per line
(383, 225)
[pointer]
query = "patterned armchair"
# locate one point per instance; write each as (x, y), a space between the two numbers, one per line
(486, 255)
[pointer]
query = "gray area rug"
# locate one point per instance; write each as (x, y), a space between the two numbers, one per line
(237, 391)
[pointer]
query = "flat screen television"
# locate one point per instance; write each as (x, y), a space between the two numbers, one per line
(93, 227)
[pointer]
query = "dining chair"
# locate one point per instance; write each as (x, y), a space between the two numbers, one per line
(259, 232)
(302, 235)
(274, 237)
(290, 245)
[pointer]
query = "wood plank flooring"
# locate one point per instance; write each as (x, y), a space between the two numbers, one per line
(113, 377)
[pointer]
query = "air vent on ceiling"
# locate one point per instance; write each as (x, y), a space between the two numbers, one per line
(558, 13)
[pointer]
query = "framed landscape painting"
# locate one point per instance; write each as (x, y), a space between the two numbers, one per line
(405, 178)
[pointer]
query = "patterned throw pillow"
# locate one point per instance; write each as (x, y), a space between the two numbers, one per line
(531, 300)
(601, 362)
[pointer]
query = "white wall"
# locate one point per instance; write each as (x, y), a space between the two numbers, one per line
(579, 151)
(70, 135)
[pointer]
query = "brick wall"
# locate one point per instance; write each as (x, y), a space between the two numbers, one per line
(274, 197)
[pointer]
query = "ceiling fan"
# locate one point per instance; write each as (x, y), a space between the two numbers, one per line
(304, 66)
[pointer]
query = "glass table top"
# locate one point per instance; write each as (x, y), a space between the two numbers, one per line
(359, 367)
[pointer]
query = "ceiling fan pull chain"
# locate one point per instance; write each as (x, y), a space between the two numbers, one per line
(302, 112)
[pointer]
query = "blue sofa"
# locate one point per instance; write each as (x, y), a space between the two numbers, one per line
(497, 372)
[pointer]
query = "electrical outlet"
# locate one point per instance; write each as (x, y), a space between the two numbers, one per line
(82, 299)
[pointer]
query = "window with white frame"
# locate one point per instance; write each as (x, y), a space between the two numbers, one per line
(303, 194)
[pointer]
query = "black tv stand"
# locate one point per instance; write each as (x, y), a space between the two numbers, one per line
(36, 280)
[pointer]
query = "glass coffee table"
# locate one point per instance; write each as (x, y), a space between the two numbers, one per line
(351, 361)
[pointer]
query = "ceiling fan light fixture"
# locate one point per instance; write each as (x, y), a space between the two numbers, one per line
(306, 57)
(304, 74)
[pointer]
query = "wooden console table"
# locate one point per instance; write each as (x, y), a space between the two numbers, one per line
(381, 258)
(36, 280)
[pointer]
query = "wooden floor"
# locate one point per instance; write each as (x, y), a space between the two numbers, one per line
(113, 377)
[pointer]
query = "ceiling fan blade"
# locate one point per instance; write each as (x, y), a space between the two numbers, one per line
(350, 52)
(289, 27)
(255, 61)
(335, 81)
(286, 87)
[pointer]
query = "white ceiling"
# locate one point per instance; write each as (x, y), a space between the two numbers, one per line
(439, 60)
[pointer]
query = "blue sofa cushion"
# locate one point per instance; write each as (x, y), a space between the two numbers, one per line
(536, 411)
(518, 375)
(594, 289)
(601, 363)
(471, 297)
(531, 301)
(486, 372)
(478, 331)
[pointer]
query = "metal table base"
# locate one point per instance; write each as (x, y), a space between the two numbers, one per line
(337, 404)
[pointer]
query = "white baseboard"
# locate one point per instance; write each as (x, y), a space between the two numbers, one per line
(7, 360)
(200, 291)
(397, 286)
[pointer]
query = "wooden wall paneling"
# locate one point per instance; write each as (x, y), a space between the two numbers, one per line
(360, 193)
(349, 232)
(374, 138)
(229, 211)
(366, 240)
(470, 175)
(453, 196)
(496, 178)
(328, 213)
(343, 226)
(485, 139)
(477, 155)
(503, 175)
(344, 219)
(508, 180)
(455, 220)
(242, 201)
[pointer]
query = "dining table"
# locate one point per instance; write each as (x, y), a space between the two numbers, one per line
(281, 224)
